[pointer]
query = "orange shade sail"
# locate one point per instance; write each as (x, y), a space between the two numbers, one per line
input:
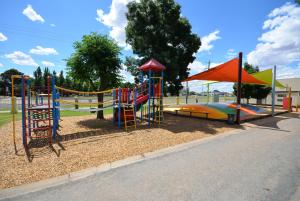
(226, 72)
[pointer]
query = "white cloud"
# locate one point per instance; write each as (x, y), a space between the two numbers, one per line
(52, 25)
(32, 15)
(116, 20)
(1, 65)
(126, 75)
(43, 51)
(288, 72)
(2, 37)
(21, 58)
(280, 43)
(48, 64)
(231, 53)
(207, 40)
(198, 66)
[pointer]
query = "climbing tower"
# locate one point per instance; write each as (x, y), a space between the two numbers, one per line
(153, 71)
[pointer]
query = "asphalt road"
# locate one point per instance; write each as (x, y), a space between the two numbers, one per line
(262, 163)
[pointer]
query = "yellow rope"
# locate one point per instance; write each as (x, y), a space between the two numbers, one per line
(83, 92)
(83, 104)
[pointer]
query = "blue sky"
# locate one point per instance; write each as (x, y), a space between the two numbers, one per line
(42, 32)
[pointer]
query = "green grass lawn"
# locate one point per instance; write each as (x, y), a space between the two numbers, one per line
(7, 117)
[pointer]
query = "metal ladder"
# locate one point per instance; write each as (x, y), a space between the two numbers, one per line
(159, 116)
(129, 117)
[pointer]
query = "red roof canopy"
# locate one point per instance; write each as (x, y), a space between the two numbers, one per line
(226, 72)
(152, 65)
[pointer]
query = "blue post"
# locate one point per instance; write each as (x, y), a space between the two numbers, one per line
(149, 94)
(54, 113)
(114, 104)
(58, 105)
(119, 107)
(134, 101)
(23, 111)
(162, 93)
(36, 98)
(28, 105)
(162, 83)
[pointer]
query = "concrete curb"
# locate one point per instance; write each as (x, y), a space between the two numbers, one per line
(78, 175)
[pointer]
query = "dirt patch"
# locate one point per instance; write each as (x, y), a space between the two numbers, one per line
(87, 142)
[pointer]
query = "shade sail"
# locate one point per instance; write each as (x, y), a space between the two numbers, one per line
(266, 76)
(152, 65)
(226, 72)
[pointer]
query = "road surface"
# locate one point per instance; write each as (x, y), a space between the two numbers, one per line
(261, 163)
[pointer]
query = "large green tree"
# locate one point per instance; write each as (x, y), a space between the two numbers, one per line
(61, 79)
(252, 90)
(157, 30)
(38, 79)
(46, 74)
(96, 63)
(5, 81)
(132, 65)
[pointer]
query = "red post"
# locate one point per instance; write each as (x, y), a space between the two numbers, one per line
(238, 101)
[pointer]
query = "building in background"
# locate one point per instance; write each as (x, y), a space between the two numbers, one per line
(294, 83)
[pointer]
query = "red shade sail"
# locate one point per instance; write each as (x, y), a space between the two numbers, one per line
(152, 65)
(226, 72)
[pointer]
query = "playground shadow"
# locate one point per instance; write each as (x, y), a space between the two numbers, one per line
(174, 124)
(272, 122)
(179, 124)
(38, 148)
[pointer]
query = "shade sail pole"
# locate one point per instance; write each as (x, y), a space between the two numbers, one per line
(187, 92)
(239, 89)
(208, 84)
(273, 90)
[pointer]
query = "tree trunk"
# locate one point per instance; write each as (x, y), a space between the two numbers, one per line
(100, 112)
(248, 101)
(259, 101)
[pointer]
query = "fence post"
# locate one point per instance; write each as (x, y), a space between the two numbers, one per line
(76, 102)
(14, 108)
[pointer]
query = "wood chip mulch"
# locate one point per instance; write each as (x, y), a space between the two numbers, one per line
(86, 142)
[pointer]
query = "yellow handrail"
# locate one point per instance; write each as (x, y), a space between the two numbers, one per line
(83, 92)
(83, 104)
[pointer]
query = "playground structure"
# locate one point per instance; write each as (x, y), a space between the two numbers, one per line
(41, 111)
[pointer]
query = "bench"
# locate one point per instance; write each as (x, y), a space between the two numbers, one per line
(190, 111)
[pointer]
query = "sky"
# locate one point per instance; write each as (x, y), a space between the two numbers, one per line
(41, 33)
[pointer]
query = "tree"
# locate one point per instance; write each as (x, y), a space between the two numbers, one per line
(6, 81)
(132, 65)
(45, 78)
(96, 62)
(38, 79)
(297, 1)
(252, 90)
(157, 30)
(61, 79)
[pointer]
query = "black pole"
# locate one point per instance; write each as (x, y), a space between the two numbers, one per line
(238, 101)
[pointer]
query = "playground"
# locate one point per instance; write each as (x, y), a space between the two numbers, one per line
(48, 143)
